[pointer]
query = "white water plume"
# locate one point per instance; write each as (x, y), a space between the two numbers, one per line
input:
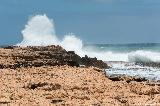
(40, 31)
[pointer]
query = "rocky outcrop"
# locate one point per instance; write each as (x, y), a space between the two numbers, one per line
(128, 79)
(36, 56)
(93, 62)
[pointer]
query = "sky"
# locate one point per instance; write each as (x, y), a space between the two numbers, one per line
(94, 21)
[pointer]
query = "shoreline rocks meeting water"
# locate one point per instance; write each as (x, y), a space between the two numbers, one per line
(52, 76)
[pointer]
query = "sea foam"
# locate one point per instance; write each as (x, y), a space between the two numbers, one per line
(131, 69)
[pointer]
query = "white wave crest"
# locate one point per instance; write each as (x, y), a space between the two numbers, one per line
(144, 56)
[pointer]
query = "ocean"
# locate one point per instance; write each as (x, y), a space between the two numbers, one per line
(136, 59)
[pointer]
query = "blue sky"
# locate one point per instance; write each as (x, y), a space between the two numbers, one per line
(94, 21)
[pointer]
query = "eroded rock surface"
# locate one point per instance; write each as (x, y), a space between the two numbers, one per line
(16, 57)
(71, 86)
(126, 78)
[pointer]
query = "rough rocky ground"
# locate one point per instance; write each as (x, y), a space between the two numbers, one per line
(71, 86)
(28, 77)
(16, 57)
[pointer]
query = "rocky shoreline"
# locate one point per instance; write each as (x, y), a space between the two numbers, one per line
(52, 76)
(16, 57)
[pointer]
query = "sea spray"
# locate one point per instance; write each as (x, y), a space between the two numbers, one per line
(40, 31)
(71, 43)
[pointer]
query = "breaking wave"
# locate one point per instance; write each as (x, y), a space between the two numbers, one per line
(144, 56)
(40, 31)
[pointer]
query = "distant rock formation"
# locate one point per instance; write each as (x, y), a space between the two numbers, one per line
(36, 56)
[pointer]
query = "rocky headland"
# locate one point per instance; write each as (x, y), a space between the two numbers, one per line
(52, 76)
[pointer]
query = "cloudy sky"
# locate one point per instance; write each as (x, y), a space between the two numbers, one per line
(94, 21)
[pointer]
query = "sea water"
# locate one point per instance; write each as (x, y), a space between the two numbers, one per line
(123, 58)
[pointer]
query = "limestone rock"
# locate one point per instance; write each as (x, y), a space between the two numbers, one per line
(36, 56)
